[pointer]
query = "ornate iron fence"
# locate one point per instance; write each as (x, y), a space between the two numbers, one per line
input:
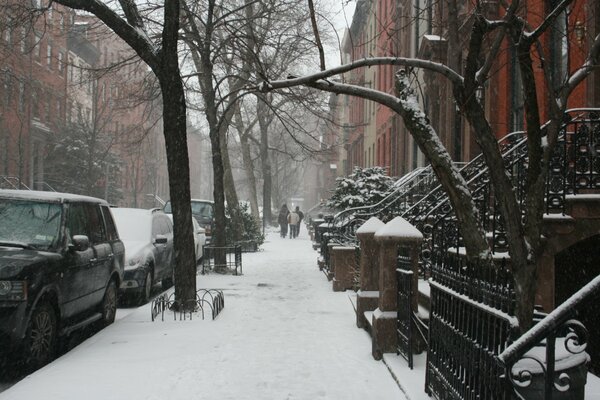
(465, 338)
(166, 302)
(533, 372)
(404, 277)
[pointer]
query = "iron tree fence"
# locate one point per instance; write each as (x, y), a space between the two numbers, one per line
(206, 299)
(231, 254)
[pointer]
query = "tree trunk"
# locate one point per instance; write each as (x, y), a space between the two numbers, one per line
(265, 160)
(237, 226)
(174, 125)
(247, 162)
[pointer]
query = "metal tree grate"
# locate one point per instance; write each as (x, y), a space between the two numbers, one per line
(165, 303)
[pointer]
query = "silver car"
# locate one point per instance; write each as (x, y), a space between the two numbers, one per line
(149, 257)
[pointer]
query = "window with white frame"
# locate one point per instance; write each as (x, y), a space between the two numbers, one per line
(60, 62)
(49, 56)
(23, 39)
(37, 46)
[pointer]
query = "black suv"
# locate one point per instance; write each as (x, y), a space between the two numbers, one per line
(61, 262)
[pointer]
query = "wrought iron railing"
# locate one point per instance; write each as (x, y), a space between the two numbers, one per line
(404, 328)
(523, 365)
(403, 194)
(465, 337)
(472, 306)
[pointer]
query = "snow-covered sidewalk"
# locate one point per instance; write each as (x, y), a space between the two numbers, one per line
(283, 334)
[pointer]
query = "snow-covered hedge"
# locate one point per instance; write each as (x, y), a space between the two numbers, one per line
(364, 186)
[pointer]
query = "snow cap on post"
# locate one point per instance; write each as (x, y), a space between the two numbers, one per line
(398, 230)
(370, 226)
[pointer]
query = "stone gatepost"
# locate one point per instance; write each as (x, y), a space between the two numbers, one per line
(344, 262)
(368, 294)
(393, 235)
(329, 260)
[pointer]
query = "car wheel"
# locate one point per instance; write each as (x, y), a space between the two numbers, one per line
(147, 289)
(40, 342)
(109, 304)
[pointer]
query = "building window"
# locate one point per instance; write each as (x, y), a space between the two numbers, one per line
(60, 62)
(37, 47)
(7, 89)
(59, 111)
(47, 104)
(35, 104)
(49, 56)
(8, 31)
(70, 68)
(21, 97)
(23, 40)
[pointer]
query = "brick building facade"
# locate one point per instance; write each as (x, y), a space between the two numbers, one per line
(421, 29)
(61, 71)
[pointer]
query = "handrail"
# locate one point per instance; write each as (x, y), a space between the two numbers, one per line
(396, 187)
(10, 179)
(548, 324)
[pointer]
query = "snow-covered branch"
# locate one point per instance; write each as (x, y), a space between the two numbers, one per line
(442, 69)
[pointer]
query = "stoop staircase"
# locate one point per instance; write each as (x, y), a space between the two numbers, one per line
(466, 312)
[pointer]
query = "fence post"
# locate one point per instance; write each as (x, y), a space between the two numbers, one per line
(398, 232)
(343, 260)
(368, 294)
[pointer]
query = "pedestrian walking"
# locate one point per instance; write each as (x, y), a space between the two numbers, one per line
(300, 218)
(282, 220)
(293, 219)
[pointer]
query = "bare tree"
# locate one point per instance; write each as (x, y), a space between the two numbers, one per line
(523, 234)
(161, 56)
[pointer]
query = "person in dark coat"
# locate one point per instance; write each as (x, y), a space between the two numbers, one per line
(282, 219)
(301, 217)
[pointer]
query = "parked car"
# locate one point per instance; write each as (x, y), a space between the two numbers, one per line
(148, 239)
(61, 262)
(203, 211)
(199, 238)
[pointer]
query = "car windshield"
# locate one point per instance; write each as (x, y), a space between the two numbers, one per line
(31, 223)
(201, 208)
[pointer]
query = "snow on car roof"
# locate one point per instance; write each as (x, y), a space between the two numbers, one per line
(48, 196)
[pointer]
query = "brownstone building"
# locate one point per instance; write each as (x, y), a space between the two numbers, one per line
(62, 72)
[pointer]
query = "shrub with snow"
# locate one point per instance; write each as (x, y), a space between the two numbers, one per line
(364, 186)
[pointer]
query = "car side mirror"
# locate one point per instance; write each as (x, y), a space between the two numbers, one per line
(160, 239)
(79, 243)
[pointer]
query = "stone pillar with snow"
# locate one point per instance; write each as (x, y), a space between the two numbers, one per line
(368, 293)
(344, 261)
(393, 235)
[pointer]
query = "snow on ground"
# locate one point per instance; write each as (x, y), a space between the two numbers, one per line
(284, 334)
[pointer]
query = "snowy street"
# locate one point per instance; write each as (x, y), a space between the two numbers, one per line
(283, 334)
